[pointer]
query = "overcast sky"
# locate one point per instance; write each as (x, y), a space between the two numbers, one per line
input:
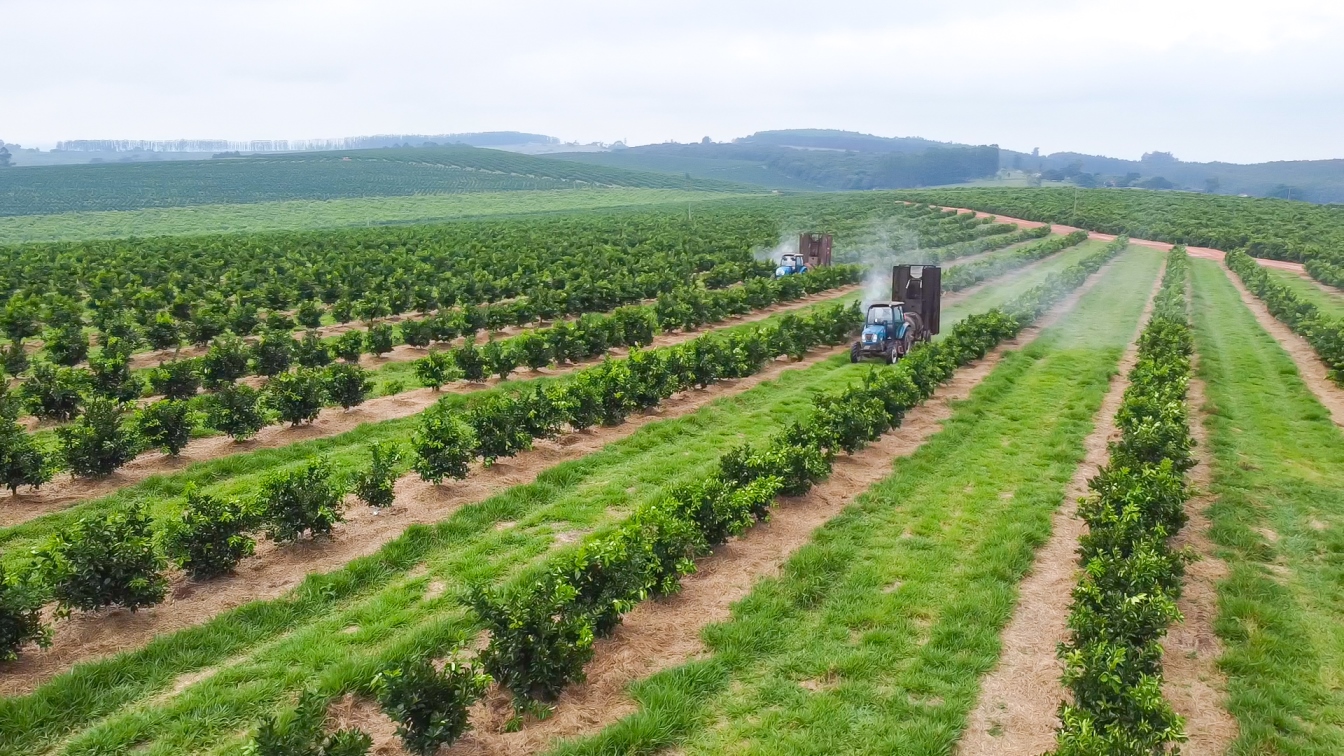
(1205, 79)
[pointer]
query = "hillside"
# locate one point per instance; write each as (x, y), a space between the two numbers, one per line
(811, 159)
(310, 176)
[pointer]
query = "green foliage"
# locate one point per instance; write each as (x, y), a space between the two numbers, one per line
(379, 338)
(470, 361)
(429, 705)
(180, 379)
(225, 361)
(210, 537)
(1131, 579)
(349, 346)
(302, 733)
(166, 425)
(163, 332)
(22, 461)
(295, 397)
(444, 445)
(67, 345)
(500, 357)
(304, 500)
(346, 384)
(309, 314)
(96, 444)
(273, 353)
(21, 622)
(373, 485)
(53, 393)
(110, 373)
(236, 411)
(435, 369)
(311, 351)
(539, 642)
(102, 561)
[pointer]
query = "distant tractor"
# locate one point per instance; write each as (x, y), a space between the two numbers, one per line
(891, 329)
(814, 251)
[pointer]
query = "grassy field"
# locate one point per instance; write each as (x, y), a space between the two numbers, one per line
(874, 637)
(1278, 465)
(1329, 301)
(294, 215)
(267, 649)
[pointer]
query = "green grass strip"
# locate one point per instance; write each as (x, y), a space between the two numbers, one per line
(892, 613)
(1278, 465)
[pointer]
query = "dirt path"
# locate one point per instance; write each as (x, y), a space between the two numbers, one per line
(1015, 713)
(276, 569)
(660, 634)
(1192, 681)
(68, 490)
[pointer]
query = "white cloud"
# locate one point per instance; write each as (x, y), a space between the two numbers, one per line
(1208, 80)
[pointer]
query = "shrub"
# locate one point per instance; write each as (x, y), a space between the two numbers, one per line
(20, 615)
(296, 397)
(538, 643)
(235, 411)
(166, 425)
(302, 734)
(111, 376)
(210, 537)
(380, 339)
(498, 426)
(312, 351)
(96, 444)
(53, 393)
(444, 445)
(347, 385)
(501, 357)
(429, 705)
(309, 314)
(532, 349)
(104, 560)
(163, 332)
(349, 346)
(469, 360)
(179, 379)
(22, 462)
(301, 501)
(416, 333)
(67, 345)
(435, 369)
(374, 484)
(14, 357)
(225, 361)
(273, 353)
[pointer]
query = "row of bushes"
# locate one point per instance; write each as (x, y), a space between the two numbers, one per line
(501, 425)
(984, 244)
(1324, 333)
(115, 560)
(971, 273)
(98, 442)
(119, 558)
(108, 433)
(1131, 577)
(542, 627)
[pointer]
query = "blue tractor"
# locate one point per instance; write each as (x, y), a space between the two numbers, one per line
(790, 265)
(891, 329)
(814, 251)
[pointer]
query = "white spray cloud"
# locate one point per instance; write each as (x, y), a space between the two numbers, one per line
(787, 245)
(878, 248)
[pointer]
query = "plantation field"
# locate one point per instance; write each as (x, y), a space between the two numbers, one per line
(568, 471)
(297, 215)
(310, 176)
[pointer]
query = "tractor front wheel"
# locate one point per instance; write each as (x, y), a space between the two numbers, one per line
(854, 353)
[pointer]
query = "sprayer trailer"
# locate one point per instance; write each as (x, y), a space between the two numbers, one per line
(814, 251)
(891, 329)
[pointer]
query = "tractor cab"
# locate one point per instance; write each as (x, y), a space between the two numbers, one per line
(884, 314)
(790, 264)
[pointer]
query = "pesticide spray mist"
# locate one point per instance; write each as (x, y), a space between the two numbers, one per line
(878, 248)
